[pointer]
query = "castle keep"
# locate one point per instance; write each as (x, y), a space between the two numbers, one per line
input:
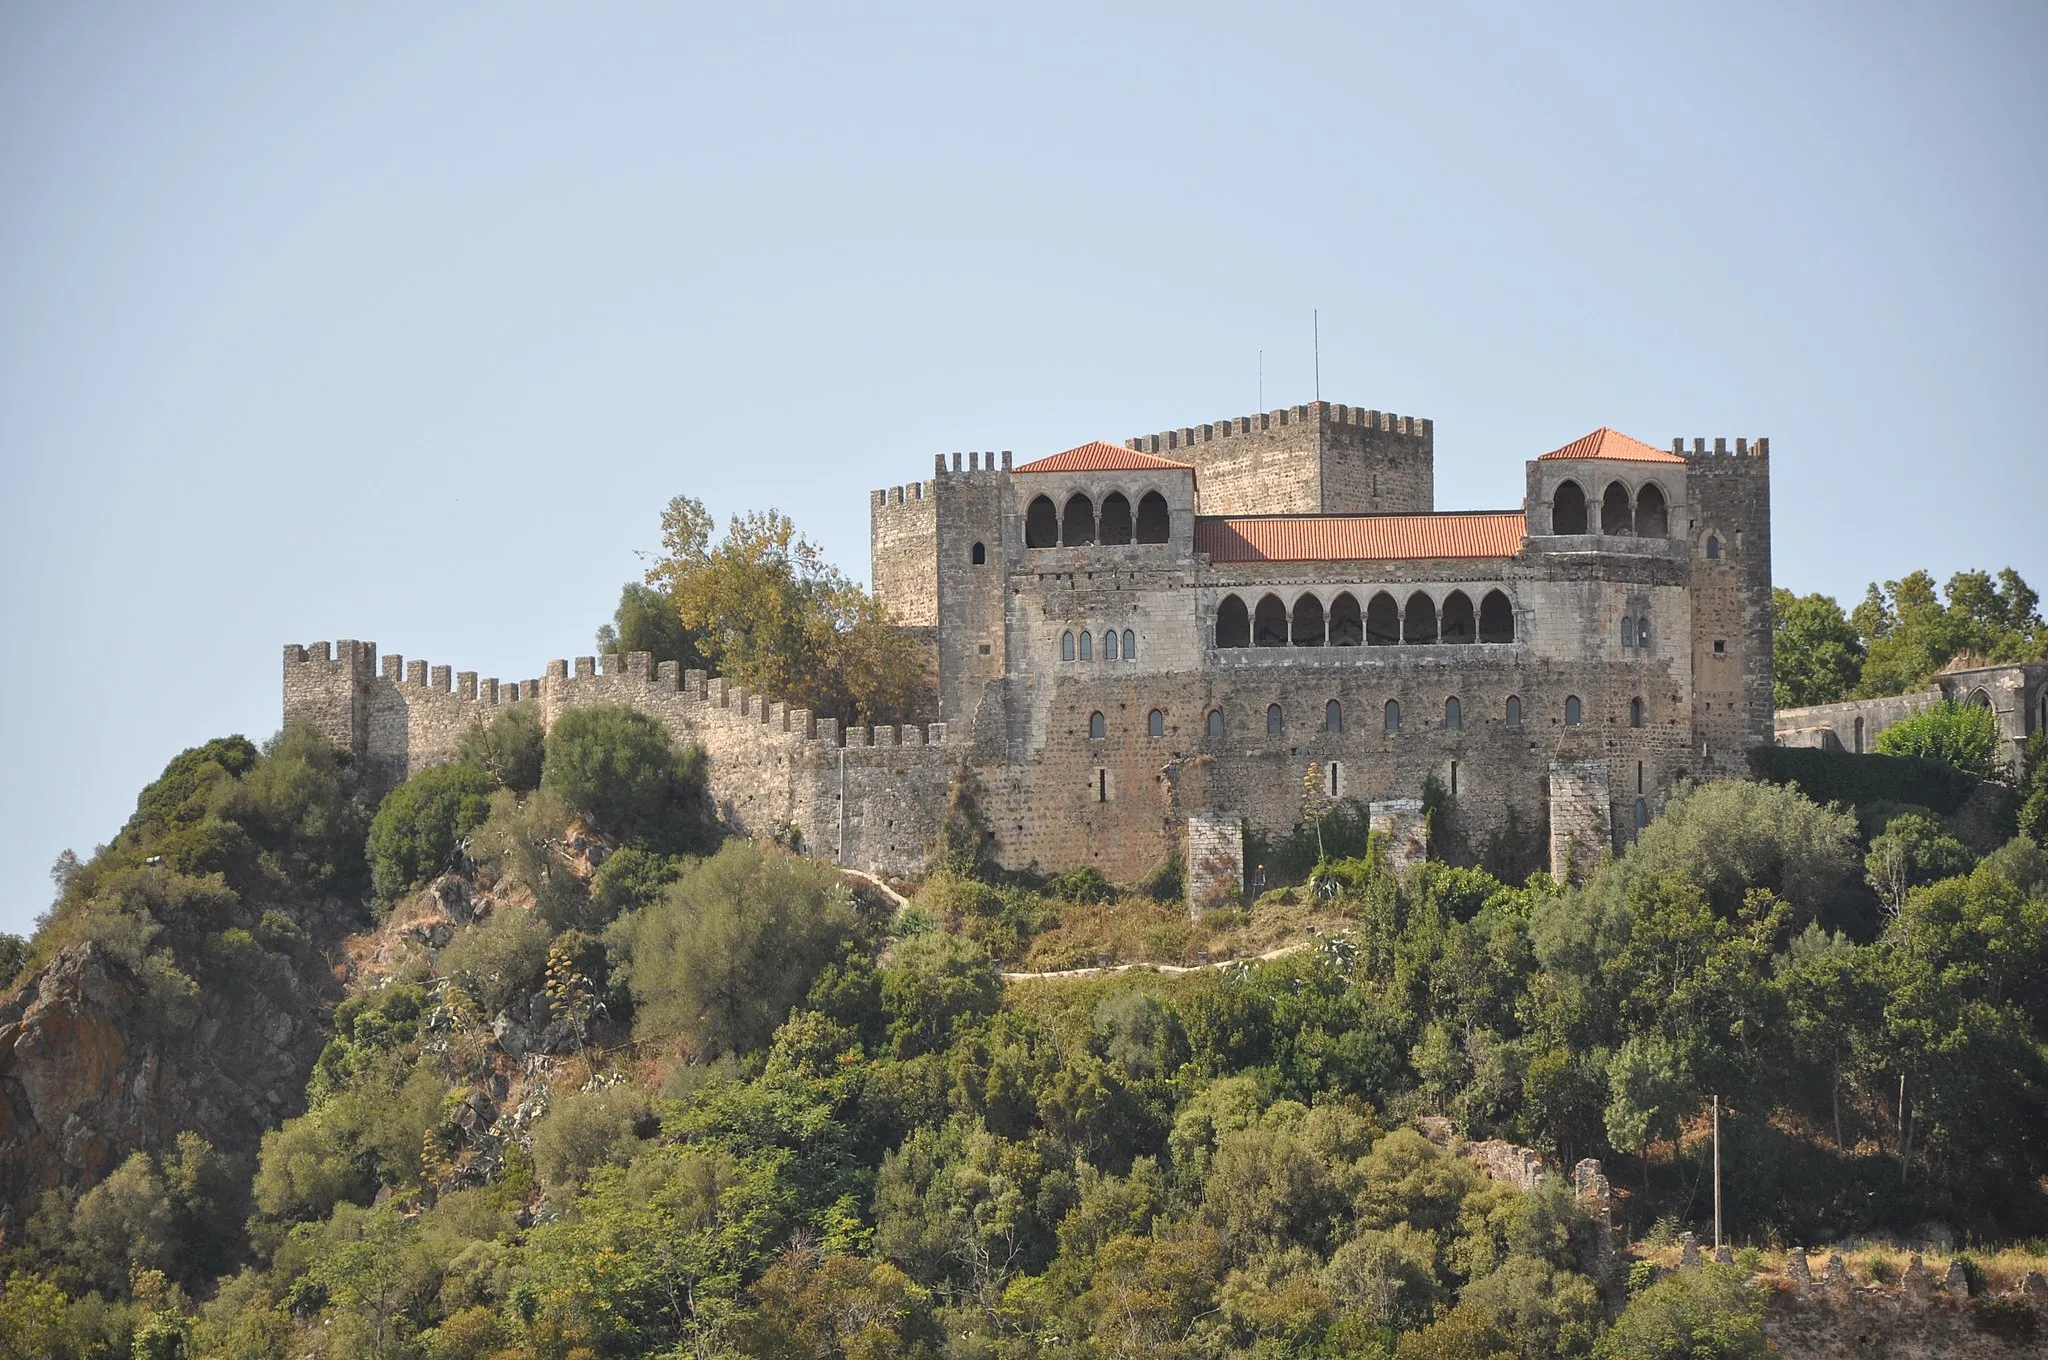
(1142, 647)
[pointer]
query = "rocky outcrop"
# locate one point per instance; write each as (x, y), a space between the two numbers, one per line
(95, 1065)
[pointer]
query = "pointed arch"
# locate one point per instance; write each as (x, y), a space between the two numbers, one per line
(1042, 524)
(1347, 625)
(1116, 520)
(1568, 509)
(1393, 715)
(1233, 623)
(1573, 711)
(1307, 629)
(1418, 620)
(1454, 715)
(1382, 621)
(1653, 513)
(1214, 724)
(1155, 524)
(1269, 623)
(1077, 526)
(1496, 618)
(1333, 716)
(1098, 728)
(1617, 516)
(1459, 624)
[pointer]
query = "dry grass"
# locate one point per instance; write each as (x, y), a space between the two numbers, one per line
(1141, 930)
(1883, 1263)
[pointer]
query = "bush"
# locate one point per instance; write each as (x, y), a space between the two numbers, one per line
(588, 1129)
(1732, 836)
(733, 946)
(1703, 1314)
(616, 767)
(418, 825)
(930, 983)
(511, 748)
(1962, 735)
(1838, 777)
(501, 961)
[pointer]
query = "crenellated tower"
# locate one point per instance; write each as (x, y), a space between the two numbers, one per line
(1730, 532)
(1324, 458)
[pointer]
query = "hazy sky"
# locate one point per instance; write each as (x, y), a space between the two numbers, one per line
(402, 322)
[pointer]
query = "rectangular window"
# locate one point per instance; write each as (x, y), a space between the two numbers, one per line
(1101, 786)
(1454, 779)
(1720, 645)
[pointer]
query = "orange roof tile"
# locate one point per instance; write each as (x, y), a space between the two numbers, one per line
(1607, 443)
(1101, 457)
(1361, 538)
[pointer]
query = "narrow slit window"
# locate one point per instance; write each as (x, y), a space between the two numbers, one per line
(1101, 785)
(1454, 779)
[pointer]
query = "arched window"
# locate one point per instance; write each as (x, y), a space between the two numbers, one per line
(1643, 631)
(1616, 515)
(1333, 716)
(1066, 646)
(1496, 618)
(1514, 711)
(1269, 623)
(1155, 723)
(1382, 621)
(1154, 524)
(1459, 623)
(1568, 509)
(1653, 518)
(1116, 520)
(1077, 526)
(1130, 645)
(1859, 736)
(1628, 631)
(1275, 722)
(1642, 813)
(1393, 715)
(1635, 713)
(1308, 622)
(1109, 648)
(1097, 728)
(1042, 524)
(1233, 624)
(1454, 715)
(1347, 626)
(1571, 711)
(981, 554)
(1713, 548)
(1418, 622)
(1978, 699)
(1215, 724)
(1087, 646)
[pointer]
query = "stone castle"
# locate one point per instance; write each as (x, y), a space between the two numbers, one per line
(1142, 648)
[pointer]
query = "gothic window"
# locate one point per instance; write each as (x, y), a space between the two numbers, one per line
(1571, 711)
(981, 554)
(1333, 716)
(1628, 631)
(1233, 624)
(1568, 509)
(1155, 723)
(1215, 724)
(1087, 646)
(1109, 648)
(1066, 646)
(1275, 723)
(1097, 727)
(1514, 711)
(1653, 519)
(1154, 524)
(1130, 645)
(1496, 618)
(1859, 736)
(1347, 626)
(1713, 548)
(1078, 524)
(1308, 622)
(1635, 713)
(1042, 524)
(1459, 624)
(1269, 623)
(1454, 715)
(1382, 621)
(1616, 515)
(1393, 715)
(1116, 520)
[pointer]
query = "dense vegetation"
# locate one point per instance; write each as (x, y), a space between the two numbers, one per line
(1901, 634)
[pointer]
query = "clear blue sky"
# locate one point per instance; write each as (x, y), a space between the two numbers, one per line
(401, 322)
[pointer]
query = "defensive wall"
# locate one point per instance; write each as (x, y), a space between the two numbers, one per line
(866, 798)
(2016, 693)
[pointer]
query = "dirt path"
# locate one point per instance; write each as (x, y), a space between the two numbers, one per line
(1282, 952)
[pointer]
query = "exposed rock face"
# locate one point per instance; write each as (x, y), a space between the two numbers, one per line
(93, 1069)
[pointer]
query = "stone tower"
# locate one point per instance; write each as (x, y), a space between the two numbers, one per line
(1318, 459)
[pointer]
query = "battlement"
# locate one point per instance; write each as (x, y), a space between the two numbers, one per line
(1744, 448)
(977, 461)
(1321, 413)
(909, 494)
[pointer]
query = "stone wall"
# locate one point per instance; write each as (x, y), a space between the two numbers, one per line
(1322, 458)
(903, 527)
(1214, 861)
(1852, 726)
(2016, 693)
(1581, 828)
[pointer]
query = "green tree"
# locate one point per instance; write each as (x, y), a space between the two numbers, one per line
(510, 747)
(931, 983)
(647, 620)
(1911, 850)
(616, 766)
(1816, 656)
(1909, 633)
(1962, 735)
(1704, 1314)
(416, 830)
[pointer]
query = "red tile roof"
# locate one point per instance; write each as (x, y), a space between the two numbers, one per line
(1101, 457)
(1606, 443)
(1361, 538)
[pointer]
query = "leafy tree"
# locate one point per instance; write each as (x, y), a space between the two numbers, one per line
(1909, 633)
(647, 620)
(1962, 735)
(510, 747)
(930, 984)
(616, 766)
(418, 825)
(732, 947)
(588, 1129)
(1704, 1314)
(771, 614)
(501, 961)
(1816, 656)
(1912, 850)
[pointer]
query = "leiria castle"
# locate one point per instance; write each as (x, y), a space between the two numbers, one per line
(1142, 648)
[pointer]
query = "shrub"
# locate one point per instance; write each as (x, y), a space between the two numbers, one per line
(511, 748)
(1838, 777)
(1704, 1314)
(1962, 735)
(930, 983)
(588, 1129)
(418, 825)
(501, 961)
(617, 767)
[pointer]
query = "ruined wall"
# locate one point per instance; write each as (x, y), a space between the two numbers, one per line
(1322, 458)
(1852, 726)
